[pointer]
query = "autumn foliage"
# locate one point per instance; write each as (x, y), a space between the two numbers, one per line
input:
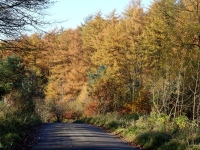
(137, 62)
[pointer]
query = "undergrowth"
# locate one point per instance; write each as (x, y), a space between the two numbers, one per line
(14, 126)
(152, 132)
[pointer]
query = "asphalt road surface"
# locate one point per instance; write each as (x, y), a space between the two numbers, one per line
(64, 136)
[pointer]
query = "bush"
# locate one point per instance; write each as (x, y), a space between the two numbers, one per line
(112, 125)
(10, 140)
(144, 140)
(196, 147)
(14, 126)
(102, 122)
(160, 139)
(182, 121)
(173, 145)
(94, 120)
(132, 130)
(153, 140)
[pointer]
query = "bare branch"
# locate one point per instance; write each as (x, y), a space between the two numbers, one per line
(17, 16)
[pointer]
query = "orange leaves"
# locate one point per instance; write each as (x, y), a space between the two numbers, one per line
(91, 108)
(141, 105)
(67, 64)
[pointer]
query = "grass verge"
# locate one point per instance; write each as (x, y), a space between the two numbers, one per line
(150, 132)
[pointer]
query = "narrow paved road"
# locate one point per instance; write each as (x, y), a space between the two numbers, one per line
(71, 136)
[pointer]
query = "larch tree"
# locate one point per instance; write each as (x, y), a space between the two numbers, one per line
(55, 57)
(67, 65)
(159, 47)
(191, 43)
(91, 34)
(134, 66)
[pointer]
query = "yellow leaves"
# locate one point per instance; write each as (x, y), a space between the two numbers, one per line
(67, 65)
(182, 121)
(92, 33)
(101, 57)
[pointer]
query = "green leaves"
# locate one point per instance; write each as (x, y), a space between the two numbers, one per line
(12, 71)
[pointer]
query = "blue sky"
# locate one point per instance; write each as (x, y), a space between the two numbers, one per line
(75, 11)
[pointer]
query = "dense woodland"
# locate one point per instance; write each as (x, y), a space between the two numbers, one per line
(142, 61)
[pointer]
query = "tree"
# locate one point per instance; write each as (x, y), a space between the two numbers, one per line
(134, 70)
(171, 47)
(19, 85)
(17, 15)
(160, 47)
(66, 63)
(12, 72)
(91, 34)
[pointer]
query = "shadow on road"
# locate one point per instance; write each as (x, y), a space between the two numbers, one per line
(64, 136)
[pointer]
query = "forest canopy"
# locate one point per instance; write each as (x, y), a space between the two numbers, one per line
(139, 62)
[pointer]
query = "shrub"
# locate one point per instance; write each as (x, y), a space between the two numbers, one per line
(181, 121)
(13, 127)
(144, 140)
(94, 120)
(132, 130)
(112, 125)
(196, 147)
(155, 131)
(10, 140)
(132, 116)
(88, 120)
(153, 140)
(159, 139)
(173, 145)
